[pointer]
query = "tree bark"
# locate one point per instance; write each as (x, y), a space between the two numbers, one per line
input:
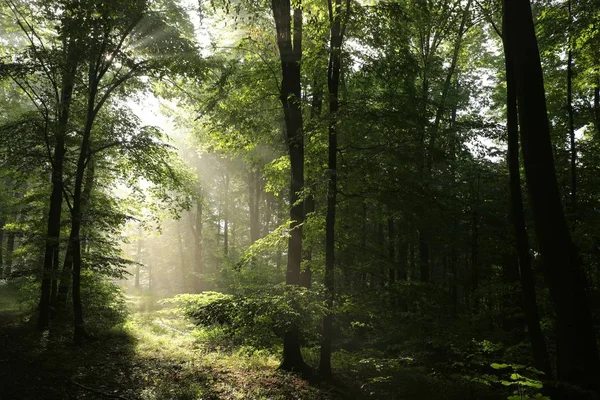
(391, 251)
(254, 185)
(55, 211)
(198, 250)
(333, 86)
(597, 108)
(2, 223)
(522, 247)
(58, 296)
(289, 43)
(570, 112)
(577, 353)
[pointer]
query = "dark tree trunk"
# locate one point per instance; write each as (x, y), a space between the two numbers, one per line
(577, 352)
(289, 42)
(2, 223)
(597, 108)
(391, 251)
(412, 257)
(571, 120)
(454, 277)
(536, 336)
(380, 272)
(59, 295)
(79, 332)
(306, 273)
(474, 284)
(333, 85)
(402, 239)
(363, 241)
(55, 211)
(424, 267)
(10, 248)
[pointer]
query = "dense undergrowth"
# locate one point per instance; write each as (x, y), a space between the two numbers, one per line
(224, 346)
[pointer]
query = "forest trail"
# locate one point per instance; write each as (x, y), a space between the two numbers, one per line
(153, 355)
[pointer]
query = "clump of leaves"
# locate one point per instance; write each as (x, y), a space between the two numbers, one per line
(258, 318)
(525, 380)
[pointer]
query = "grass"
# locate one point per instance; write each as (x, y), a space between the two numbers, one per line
(154, 355)
(157, 354)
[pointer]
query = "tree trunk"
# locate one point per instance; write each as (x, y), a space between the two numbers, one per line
(2, 223)
(254, 204)
(59, 294)
(474, 284)
(10, 248)
(333, 85)
(403, 240)
(536, 336)
(226, 216)
(391, 252)
(54, 213)
(198, 250)
(570, 112)
(597, 107)
(290, 52)
(306, 273)
(138, 258)
(577, 353)
(424, 267)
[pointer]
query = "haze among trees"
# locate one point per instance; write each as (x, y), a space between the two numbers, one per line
(334, 199)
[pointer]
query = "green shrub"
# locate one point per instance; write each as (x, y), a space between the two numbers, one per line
(258, 318)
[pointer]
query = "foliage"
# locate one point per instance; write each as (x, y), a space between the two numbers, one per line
(257, 318)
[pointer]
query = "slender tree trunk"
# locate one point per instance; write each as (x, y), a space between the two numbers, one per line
(2, 223)
(577, 352)
(403, 240)
(454, 277)
(306, 273)
(333, 85)
(10, 248)
(254, 204)
(475, 244)
(571, 119)
(522, 248)
(77, 213)
(198, 251)
(59, 294)
(412, 256)
(597, 107)
(391, 251)
(363, 240)
(441, 109)
(289, 42)
(226, 216)
(55, 210)
(424, 267)
(138, 258)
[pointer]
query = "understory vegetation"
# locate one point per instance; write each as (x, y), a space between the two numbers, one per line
(299, 199)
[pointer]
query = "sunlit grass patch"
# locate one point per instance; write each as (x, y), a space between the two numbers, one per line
(187, 362)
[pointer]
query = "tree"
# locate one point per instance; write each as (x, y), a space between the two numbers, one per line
(577, 353)
(517, 214)
(333, 84)
(289, 43)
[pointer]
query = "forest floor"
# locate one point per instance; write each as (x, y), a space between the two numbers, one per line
(158, 355)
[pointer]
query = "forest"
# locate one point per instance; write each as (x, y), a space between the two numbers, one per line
(299, 199)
